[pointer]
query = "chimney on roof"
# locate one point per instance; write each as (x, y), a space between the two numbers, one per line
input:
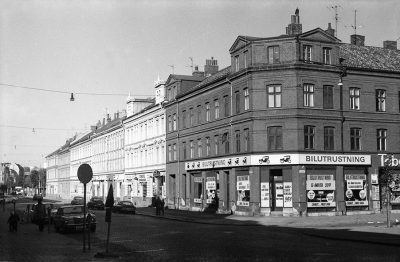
(388, 44)
(330, 30)
(196, 72)
(358, 40)
(211, 67)
(93, 128)
(104, 121)
(98, 124)
(294, 28)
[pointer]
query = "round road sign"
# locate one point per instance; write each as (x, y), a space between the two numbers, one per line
(85, 173)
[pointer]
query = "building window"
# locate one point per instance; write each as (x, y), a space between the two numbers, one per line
(169, 153)
(208, 113)
(216, 106)
(237, 141)
(236, 63)
(174, 127)
(237, 100)
(381, 135)
(329, 134)
(246, 140)
(273, 54)
(307, 53)
(308, 95)
(216, 145)
(226, 106)
(355, 139)
(184, 119)
(328, 97)
(327, 55)
(208, 146)
(246, 99)
(174, 152)
(354, 94)
(184, 150)
(225, 142)
(274, 96)
(199, 148)
(191, 116)
(199, 114)
(274, 137)
(245, 58)
(191, 149)
(169, 123)
(309, 137)
(380, 100)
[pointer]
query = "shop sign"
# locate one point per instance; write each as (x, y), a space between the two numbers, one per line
(211, 184)
(310, 159)
(321, 204)
(197, 200)
(287, 194)
(198, 180)
(218, 163)
(264, 194)
(243, 183)
(374, 179)
(320, 182)
(356, 194)
(390, 159)
(243, 203)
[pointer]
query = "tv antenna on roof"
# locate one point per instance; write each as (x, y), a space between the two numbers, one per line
(355, 23)
(173, 68)
(191, 63)
(335, 8)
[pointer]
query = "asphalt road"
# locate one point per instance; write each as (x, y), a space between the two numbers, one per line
(143, 238)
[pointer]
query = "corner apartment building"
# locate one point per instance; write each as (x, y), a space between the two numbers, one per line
(298, 124)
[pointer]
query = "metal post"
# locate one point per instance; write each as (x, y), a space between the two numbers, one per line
(89, 228)
(84, 217)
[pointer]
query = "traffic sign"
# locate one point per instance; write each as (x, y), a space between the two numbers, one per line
(85, 173)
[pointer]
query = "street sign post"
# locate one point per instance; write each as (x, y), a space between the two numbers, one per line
(85, 174)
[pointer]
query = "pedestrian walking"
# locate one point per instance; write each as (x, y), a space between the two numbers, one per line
(40, 213)
(158, 205)
(13, 222)
(162, 206)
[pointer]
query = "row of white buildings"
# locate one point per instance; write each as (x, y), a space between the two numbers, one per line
(126, 150)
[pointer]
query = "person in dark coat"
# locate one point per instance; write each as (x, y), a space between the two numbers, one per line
(158, 205)
(162, 206)
(40, 214)
(13, 222)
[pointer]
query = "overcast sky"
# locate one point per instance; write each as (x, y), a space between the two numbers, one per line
(120, 47)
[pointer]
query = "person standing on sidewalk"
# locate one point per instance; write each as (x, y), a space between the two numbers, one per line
(158, 205)
(162, 206)
(13, 222)
(40, 214)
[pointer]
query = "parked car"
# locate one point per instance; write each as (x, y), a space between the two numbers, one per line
(77, 200)
(33, 213)
(37, 197)
(124, 207)
(72, 218)
(96, 203)
(10, 198)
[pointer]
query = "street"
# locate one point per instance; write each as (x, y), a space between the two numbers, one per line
(144, 238)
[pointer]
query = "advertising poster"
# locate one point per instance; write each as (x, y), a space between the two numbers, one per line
(395, 188)
(355, 190)
(264, 194)
(320, 191)
(243, 191)
(287, 194)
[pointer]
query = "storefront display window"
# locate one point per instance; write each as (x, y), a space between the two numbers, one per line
(356, 190)
(395, 196)
(320, 191)
(243, 191)
(198, 189)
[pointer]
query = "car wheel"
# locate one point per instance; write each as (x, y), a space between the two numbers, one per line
(93, 228)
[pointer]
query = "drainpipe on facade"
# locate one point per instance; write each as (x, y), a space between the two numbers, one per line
(230, 123)
(177, 148)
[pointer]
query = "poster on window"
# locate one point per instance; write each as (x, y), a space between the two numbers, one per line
(243, 191)
(287, 194)
(355, 190)
(395, 188)
(264, 194)
(320, 191)
(211, 186)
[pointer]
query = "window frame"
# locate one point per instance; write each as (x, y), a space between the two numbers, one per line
(273, 53)
(208, 113)
(354, 98)
(327, 55)
(274, 138)
(274, 96)
(217, 109)
(329, 138)
(307, 53)
(199, 148)
(308, 95)
(380, 96)
(355, 138)
(237, 141)
(246, 99)
(328, 93)
(309, 137)
(381, 137)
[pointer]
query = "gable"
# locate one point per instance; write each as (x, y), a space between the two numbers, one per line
(318, 35)
(238, 44)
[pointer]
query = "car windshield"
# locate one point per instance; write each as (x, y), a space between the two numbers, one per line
(78, 198)
(73, 210)
(126, 203)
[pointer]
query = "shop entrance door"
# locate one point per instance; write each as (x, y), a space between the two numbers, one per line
(277, 189)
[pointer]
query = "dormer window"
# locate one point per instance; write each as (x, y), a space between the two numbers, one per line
(307, 53)
(236, 63)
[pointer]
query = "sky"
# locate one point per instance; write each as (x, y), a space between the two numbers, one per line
(120, 47)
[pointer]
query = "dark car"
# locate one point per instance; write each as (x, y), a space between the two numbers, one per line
(96, 203)
(34, 213)
(37, 196)
(77, 200)
(72, 218)
(124, 207)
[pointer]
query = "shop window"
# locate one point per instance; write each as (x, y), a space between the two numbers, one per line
(356, 190)
(355, 139)
(211, 190)
(320, 191)
(381, 139)
(198, 189)
(243, 191)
